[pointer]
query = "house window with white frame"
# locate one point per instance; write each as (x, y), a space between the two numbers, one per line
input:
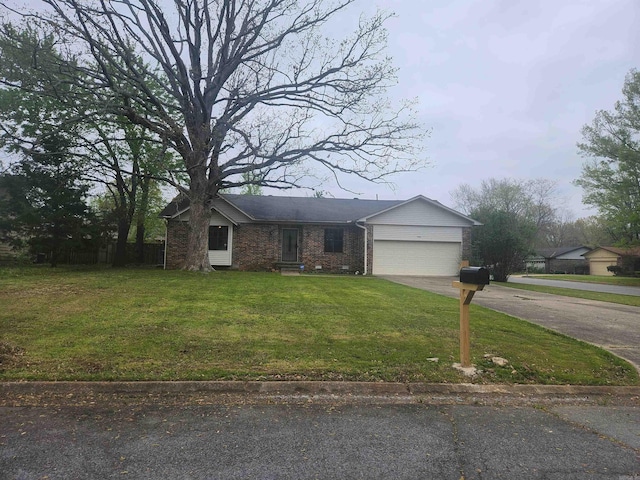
(218, 237)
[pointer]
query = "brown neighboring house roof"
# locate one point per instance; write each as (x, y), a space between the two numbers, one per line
(629, 251)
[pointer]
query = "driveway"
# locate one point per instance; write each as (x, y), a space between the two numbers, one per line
(613, 327)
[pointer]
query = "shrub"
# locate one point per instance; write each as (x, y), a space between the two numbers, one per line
(616, 269)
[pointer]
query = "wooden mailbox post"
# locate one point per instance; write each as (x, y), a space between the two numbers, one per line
(472, 279)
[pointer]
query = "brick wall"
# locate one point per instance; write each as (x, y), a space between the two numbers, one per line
(312, 252)
(256, 247)
(369, 249)
(176, 247)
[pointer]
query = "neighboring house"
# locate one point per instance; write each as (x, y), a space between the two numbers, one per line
(6, 252)
(383, 237)
(560, 260)
(602, 257)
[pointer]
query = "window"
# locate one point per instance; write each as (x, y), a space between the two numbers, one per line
(333, 240)
(218, 237)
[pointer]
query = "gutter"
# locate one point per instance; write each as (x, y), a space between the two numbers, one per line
(366, 244)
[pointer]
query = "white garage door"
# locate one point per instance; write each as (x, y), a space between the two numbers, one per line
(393, 257)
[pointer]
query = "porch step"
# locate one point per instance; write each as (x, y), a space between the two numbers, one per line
(289, 268)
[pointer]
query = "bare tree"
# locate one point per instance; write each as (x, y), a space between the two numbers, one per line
(514, 214)
(530, 199)
(249, 85)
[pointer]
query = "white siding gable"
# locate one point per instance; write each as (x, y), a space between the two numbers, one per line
(419, 212)
(218, 219)
(221, 209)
(230, 211)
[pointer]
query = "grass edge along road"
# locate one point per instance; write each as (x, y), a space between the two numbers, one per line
(603, 279)
(136, 324)
(630, 300)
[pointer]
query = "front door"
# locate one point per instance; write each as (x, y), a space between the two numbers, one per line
(290, 245)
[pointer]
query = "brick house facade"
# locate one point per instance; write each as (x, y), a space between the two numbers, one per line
(326, 235)
(256, 247)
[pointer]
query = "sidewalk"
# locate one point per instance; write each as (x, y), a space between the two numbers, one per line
(317, 430)
(590, 287)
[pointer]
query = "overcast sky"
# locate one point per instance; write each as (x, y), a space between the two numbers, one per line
(505, 86)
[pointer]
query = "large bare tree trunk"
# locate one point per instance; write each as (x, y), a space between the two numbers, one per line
(197, 255)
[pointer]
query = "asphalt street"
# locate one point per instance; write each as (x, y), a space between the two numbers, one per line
(320, 441)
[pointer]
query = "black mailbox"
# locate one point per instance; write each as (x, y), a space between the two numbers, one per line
(474, 275)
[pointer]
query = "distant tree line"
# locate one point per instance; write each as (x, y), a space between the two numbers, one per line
(518, 217)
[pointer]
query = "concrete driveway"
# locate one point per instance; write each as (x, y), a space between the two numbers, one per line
(611, 326)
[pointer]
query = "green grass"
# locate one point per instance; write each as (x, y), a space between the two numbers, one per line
(84, 324)
(622, 281)
(631, 300)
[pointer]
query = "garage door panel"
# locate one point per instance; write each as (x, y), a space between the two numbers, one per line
(600, 267)
(415, 258)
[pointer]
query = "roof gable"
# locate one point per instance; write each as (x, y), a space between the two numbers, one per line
(420, 210)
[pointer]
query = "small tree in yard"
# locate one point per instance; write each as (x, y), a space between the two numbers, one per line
(503, 242)
(513, 214)
(248, 86)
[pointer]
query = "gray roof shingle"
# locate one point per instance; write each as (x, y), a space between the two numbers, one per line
(295, 209)
(556, 252)
(308, 209)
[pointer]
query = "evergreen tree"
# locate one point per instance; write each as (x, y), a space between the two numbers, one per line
(44, 206)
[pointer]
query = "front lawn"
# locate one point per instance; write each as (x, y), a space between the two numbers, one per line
(88, 324)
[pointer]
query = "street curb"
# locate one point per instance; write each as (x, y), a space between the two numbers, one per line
(407, 392)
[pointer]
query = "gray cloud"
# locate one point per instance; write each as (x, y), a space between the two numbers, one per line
(507, 85)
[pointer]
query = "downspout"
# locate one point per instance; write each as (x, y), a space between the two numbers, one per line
(166, 237)
(366, 244)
